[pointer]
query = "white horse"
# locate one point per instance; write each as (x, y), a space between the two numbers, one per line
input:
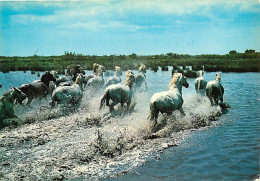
(140, 79)
(61, 80)
(68, 94)
(215, 91)
(169, 101)
(7, 103)
(95, 72)
(97, 81)
(200, 83)
(116, 78)
(119, 93)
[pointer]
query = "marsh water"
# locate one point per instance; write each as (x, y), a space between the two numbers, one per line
(64, 146)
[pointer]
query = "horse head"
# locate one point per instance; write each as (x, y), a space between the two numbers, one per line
(47, 77)
(129, 78)
(218, 77)
(118, 71)
(184, 81)
(178, 79)
(200, 73)
(17, 94)
(142, 68)
(55, 74)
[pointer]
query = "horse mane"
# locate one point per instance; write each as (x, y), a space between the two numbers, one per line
(142, 68)
(78, 81)
(117, 70)
(95, 67)
(175, 78)
(129, 78)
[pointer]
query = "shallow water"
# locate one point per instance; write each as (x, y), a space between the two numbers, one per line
(229, 151)
(87, 144)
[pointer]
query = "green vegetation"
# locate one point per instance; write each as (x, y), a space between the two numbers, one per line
(232, 62)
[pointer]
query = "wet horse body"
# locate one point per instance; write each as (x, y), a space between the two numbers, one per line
(38, 89)
(96, 81)
(200, 83)
(169, 101)
(116, 78)
(215, 91)
(140, 79)
(68, 94)
(7, 103)
(119, 93)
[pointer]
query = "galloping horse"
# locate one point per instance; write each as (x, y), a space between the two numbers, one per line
(116, 78)
(215, 91)
(140, 79)
(200, 83)
(169, 101)
(119, 93)
(7, 103)
(97, 81)
(68, 94)
(96, 67)
(38, 89)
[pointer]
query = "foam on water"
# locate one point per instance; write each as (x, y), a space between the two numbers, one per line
(88, 143)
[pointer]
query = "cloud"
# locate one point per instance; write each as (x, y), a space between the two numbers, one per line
(102, 14)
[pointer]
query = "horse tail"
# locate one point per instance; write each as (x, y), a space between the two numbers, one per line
(104, 99)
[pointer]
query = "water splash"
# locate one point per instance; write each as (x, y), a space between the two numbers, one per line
(88, 143)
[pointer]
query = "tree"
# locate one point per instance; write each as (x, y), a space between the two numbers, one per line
(249, 51)
(133, 55)
(233, 52)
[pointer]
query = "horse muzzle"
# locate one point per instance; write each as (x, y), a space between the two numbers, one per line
(186, 85)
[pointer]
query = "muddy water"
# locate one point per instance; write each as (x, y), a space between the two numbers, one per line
(89, 144)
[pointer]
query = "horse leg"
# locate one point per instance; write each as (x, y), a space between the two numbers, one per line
(182, 112)
(111, 107)
(29, 101)
(53, 101)
(128, 106)
(104, 99)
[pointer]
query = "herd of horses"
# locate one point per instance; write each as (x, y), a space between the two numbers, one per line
(70, 89)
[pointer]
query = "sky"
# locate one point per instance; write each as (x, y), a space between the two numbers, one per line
(144, 27)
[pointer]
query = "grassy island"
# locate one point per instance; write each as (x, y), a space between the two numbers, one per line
(232, 62)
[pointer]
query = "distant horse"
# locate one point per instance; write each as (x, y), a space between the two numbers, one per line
(7, 103)
(37, 89)
(97, 81)
(200, 83)
(116, 78)
(55, 74)
(140, 79)
(169, 101)
(68, 94)
(119, 93)
(74, 71)
(215, 91)
(61, 80)
(95, 72)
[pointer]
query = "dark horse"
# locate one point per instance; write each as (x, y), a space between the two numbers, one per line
(37, 89)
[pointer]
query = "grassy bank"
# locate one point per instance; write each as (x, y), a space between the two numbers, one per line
(239, 62)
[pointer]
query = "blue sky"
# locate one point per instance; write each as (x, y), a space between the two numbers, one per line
(98, 27)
